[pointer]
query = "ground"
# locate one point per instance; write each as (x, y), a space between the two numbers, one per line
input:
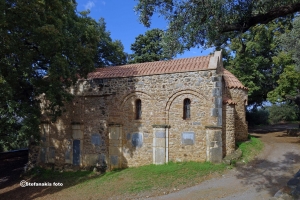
(259, 179)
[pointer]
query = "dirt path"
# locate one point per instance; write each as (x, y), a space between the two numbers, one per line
(260, 179)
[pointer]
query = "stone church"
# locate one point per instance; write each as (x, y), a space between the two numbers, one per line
(188, 109)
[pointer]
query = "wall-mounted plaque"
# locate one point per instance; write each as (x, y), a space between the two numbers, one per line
(188, 138)
(137, 139)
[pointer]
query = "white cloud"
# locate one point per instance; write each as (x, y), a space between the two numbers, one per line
(89, 5)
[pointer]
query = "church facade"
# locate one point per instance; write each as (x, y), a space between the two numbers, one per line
(188, 109)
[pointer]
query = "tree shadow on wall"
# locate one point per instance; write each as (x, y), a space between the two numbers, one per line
(135, 118)
(266, 175)
(105, 93)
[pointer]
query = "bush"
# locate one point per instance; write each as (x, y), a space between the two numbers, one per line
(282, 112)
(257, 116)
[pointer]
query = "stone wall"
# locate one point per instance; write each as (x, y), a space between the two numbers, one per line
(228, 129)
(102, 122)
(240, 97)
(214, 143)
(192, 129)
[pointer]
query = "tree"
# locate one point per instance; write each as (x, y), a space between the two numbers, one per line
(288, 89)
(290, 42)
(41, 38)
(148, 47)
(109, 53)
(286, 111)
(258, 60)
(205, 22)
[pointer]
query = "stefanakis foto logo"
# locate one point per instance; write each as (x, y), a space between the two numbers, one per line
(24, 183)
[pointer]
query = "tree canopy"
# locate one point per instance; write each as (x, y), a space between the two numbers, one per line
(257, 59)
(205, 22)
(44, 38)
(290, 41)
(148, 47)
(288, 89)
(109, 52)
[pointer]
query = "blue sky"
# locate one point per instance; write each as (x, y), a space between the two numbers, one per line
(123, 24)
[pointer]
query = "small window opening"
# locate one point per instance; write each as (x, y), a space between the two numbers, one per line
(138, 109)
(186, 109)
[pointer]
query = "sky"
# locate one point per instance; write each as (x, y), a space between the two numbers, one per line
(123, 23)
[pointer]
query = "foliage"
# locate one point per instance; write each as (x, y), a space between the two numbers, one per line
(148, 47)
(282, 112)
(257, 59)
(289, 82)
(260, 59)
(250, 148)
(109, 53)
(257, 116)
(290, 42)
(288, 88)
(204, 22)
(38, 39)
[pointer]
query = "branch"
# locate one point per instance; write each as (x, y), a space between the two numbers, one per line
(262, 18)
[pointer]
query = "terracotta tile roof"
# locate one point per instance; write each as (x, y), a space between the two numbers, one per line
(151, 68)
(231, 81)
(226, 100)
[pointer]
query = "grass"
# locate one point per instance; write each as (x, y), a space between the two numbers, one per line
(131, 181)
(68, 178)
(171, 175)
(156, 177)
(146, 180)
(250, 148)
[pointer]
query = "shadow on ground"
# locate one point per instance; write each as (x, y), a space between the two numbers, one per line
(10, 178)
(271, 128)
(267, 175)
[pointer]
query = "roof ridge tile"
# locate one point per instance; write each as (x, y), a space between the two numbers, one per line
(151, 68)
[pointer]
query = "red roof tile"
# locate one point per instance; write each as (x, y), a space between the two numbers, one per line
(226, 100)
(151, 68)
(231, 81)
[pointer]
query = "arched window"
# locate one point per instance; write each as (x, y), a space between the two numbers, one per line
(138, 109)
(186, 109)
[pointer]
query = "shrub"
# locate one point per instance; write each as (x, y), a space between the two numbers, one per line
(257, 116)
(282, 112)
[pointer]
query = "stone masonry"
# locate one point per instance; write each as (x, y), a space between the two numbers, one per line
(100, 125)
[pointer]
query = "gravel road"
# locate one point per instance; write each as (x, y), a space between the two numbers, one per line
(260, 179)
